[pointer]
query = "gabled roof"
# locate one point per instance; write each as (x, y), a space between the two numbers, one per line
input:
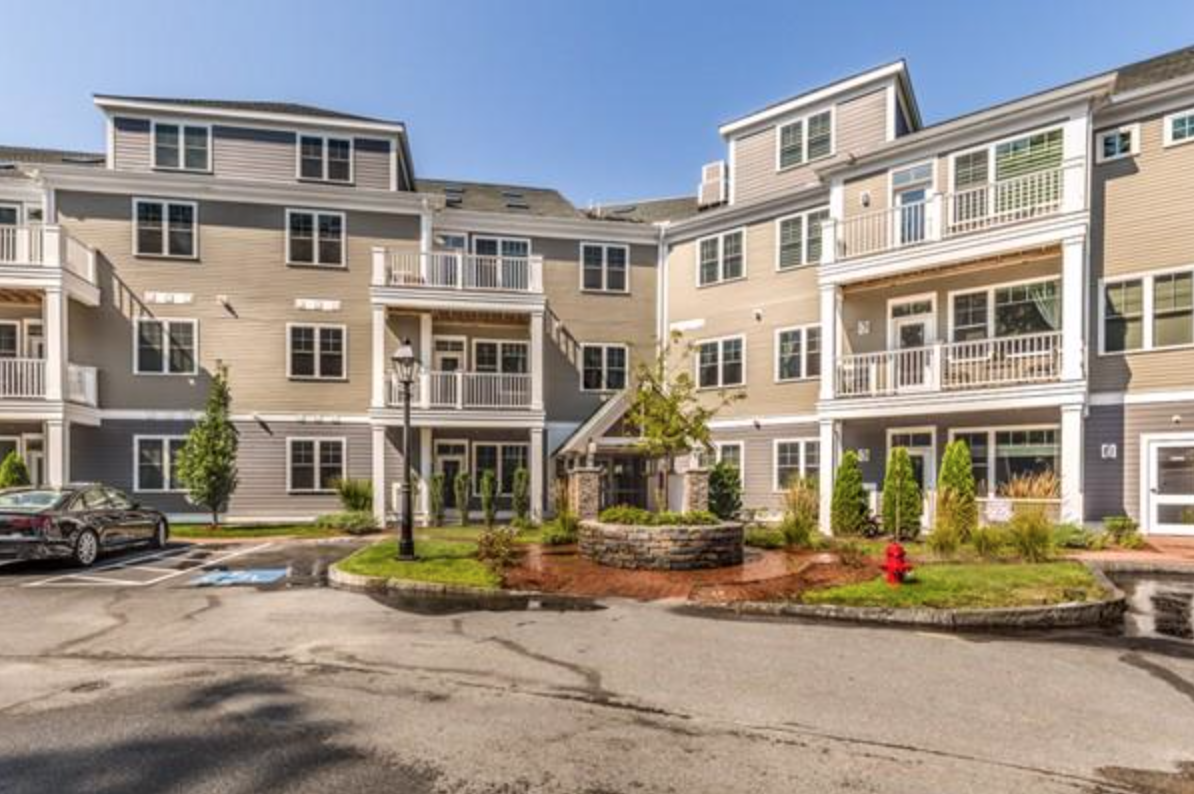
(1159, 69)
(267, 107)
(23, 154)
(511, 199)
(647, 211)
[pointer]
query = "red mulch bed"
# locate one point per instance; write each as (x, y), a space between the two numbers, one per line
(765, 575)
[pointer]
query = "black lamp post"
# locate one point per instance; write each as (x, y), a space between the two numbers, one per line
(406, 366)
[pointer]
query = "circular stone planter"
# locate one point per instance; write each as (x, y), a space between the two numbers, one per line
(662, 548)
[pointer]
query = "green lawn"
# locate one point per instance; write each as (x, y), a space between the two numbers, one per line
(441, 561)
(974, 586)
(237, 532)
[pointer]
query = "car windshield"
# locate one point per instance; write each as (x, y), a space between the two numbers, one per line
(31, 500)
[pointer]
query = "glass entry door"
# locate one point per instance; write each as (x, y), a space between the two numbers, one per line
(1171, 487)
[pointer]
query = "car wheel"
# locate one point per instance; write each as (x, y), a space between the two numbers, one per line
(86, 548)
(161, 534)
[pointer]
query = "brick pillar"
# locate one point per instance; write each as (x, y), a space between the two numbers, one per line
(696, 490)
(584, 492)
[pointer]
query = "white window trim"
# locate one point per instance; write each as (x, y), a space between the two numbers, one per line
(167, 465)
(319, 441)
(720, 237)
(319, 329)
(991, 146)
(1133, 131)
(804, 356)
(605, 346)
(13, 205)
(166, 204)
(463, 352)
(931, 316)
(604, 289)
(718, 446)
(1167, 130)
(930, 487)
(803, 119)
(501, 446)
(804, 236)
(990, 431)
(803, 442)
(182, 124)
(18, 337)
(499, 239)
(167, 322)
(990, 291)
(323, 137)
(472, 351)
(720, 342)
(316, 261)
(1146, 279)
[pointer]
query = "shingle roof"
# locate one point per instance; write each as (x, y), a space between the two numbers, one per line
(1178, 63)
(647, 211)
(23, 154)
(513, 199)
(251, 106)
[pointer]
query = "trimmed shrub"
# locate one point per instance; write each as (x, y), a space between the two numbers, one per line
(438, 496)
(763, 537)
(522, 495)
(13, 471)
(725, 491)
(957, 503)
(355, 495)
(851, 553)
(626, 515)
(489, 487)
(989, 541)
(1123, 531)
(1073, 536)
(497, 547)
(902, 500)
(850, 508)
(561, 531)
(1031, 535)
(354, 522)
(802, 504)
(462, 486)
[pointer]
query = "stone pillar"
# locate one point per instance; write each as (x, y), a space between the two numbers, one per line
(584, 492)
(696, 490)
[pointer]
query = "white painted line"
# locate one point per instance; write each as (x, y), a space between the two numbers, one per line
(130, 565)
(85, 579)
(209, 563)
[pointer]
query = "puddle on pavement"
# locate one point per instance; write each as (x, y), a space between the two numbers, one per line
(445, 604)
(1160, 607)
(306, 565)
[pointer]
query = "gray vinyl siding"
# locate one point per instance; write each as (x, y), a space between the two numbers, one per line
(758, 486)
(131, 144)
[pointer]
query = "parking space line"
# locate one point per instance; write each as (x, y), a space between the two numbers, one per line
(208, 564)
(92, 577)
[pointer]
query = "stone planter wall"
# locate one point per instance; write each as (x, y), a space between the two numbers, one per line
(667, 548)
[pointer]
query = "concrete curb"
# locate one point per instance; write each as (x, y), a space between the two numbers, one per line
(1142, 566)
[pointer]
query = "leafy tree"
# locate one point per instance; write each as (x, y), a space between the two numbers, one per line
(489, 487)
(902, 501)
(13, 472)
(850, 508)
(522, 495)
(438, 487)
(462, 486)
(672, 419)
(207, 462)
(725, 491)
(957, 503)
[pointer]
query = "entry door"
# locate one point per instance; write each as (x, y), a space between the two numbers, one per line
(1171, 488)
(912, 365)
(922, 453)
(35, 340)
(450, 460)
(912, 215)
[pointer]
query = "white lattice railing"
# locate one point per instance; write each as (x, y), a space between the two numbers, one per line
(457, 270)
(957, 366)
(489, 390)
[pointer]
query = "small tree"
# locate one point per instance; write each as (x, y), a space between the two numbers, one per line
(462, 486)
(207, 461)
(725, 491)
(957, 504)
(671, 418)
(13, 472)
(902, 503)
(437, 495)
(489, 487)
(522, 495)
(850, 509)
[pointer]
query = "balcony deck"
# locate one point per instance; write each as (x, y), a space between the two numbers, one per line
(453, 278)
(24, 380)
(40, 255)
(462, 391)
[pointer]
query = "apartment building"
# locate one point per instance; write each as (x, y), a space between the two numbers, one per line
(1019, 277)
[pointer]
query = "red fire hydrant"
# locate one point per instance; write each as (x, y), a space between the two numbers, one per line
(896, 564)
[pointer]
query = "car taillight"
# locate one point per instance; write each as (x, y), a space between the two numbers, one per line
(31, 525)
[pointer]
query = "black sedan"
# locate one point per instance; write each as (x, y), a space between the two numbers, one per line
(77, 522)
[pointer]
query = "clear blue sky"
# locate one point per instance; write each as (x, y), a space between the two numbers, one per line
(606, 100)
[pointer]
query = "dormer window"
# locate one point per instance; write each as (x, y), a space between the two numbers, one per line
(325, 159)
(181, 147)
(804, 140)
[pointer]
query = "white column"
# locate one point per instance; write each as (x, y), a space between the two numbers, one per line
(426, 225)
(54, 320)
(829, 459)
(424, 508)
(427, 359)
(537, 363)
(1076, 141)
(830, 323)
(1073, 308)
(379, 473)
(380, 363)
(57, 452)
(537, 473)
(1072, 459)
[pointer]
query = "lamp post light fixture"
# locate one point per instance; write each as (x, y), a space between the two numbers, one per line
(406, 367)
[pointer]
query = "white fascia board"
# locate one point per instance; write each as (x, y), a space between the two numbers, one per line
(919, 404)
(116, 105)
(541, 226)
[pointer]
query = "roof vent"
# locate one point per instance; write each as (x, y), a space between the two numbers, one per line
(518, 204)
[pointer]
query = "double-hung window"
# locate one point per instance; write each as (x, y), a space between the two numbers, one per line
(165, 228)
(971, 316)
(604, 267)
(1118, 143)
(1179, 128)
(796, 459)
(721, 258)
(155, 467)
(731, 453)
(313, 465)
(317, 352)
(503, 459)
(1123, 316)
(798, 353)
(798, 239)
(804, 140)
(603, 367)
(181, 147)
(315, 238)
(721, 363)
(1152, 311)
(1173, 309)
(325, 159)
(166, 347)
(1004, 311)
(506, 356)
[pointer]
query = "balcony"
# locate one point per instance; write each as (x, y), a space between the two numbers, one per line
(42, 247)
(947, 216)
(25, 379)
(491, 391)
(951, 367)
(458, 271)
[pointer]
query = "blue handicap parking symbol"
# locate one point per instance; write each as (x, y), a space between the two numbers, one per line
(249, 576)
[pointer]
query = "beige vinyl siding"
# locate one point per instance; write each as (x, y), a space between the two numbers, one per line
(131, 142)
(260, 155)
(241, 256)
(874, 187)
(758, 484)
(1141, 208)
(860, 123)
(372, 163)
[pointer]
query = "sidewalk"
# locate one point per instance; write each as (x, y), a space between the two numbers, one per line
(1161, 551)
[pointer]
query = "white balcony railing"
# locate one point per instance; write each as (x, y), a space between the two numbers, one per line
(956, 366)
(41, 245)
(948, 215)
(82, 385)
(22, 378)
(458, 271)
(464, 390)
